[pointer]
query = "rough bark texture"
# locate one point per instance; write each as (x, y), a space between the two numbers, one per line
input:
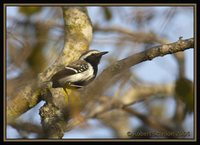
(55, 116)
(120, 66)
(78, 35)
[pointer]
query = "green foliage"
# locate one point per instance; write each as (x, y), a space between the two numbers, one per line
(184, 91)
(28, 11)
(107, 13)
(37, 60)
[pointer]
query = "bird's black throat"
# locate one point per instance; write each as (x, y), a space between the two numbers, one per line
(94, 61)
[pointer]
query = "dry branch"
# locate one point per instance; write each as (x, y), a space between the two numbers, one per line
(91, 91)
(78, 35)
(131, 97)
(136, 36)
(28, 127)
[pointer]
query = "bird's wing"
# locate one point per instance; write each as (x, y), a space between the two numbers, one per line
(71, 69)
(63, 73)
(78, 66)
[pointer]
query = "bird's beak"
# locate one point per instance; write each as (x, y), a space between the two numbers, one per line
(103, 53)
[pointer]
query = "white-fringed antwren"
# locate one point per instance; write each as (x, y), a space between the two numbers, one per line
(79, 73)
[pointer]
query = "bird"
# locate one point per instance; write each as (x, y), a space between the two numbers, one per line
(78, 73)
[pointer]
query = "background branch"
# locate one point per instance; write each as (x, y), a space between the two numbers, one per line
(136, 95)
(120, 66)
(140, 37)
(78, 35)
(120, 97)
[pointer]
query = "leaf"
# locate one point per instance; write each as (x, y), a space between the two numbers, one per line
(184, 91)
(28, 11)
(107, 13)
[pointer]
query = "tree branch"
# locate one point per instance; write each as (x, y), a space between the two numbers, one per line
(133, 96)
(126, 100)
(142, 93)
(149, 120)
(140, 37)
(95, 88)
(28, 127)
(78, 35)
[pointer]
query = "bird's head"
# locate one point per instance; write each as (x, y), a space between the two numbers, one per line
(92, 56)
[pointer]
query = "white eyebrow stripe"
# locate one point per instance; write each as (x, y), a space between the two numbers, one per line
(71, 69)
(89, 53)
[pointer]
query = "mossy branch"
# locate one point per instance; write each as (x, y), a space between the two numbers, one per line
(78, 35)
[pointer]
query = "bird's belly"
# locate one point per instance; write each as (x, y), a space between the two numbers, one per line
(79, 77)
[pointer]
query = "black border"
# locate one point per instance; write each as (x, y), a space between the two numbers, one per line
(97, 3)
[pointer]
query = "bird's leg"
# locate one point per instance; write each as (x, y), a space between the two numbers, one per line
(73, 100)
(67, 95)
(77, 86)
